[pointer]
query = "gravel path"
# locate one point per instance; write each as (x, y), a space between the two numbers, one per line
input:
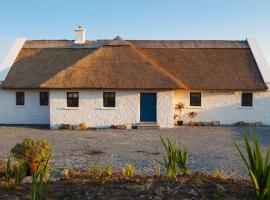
(209, 148)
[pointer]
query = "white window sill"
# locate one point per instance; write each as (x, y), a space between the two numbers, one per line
(72, 108)
(106, 108)
(20, 106)
(246, 107)
(195, 107)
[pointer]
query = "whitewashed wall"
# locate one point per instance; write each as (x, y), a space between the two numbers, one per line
(30, 113)
(91, 111)
(226, 107)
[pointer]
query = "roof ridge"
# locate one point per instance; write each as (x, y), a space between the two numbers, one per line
(161, 68)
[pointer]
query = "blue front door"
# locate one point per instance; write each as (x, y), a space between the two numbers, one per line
(148, 107)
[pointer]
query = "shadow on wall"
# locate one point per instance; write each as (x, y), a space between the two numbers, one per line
(42, 65)
(230, 114)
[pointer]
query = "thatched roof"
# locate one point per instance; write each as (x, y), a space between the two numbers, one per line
(131, 64)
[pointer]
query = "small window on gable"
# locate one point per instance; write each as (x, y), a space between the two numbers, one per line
(73, 99)
(247, 100)
(20, 98)
(44, 98)
(195, 99)
(108, 99)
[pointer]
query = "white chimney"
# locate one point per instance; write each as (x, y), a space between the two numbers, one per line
(79, 35)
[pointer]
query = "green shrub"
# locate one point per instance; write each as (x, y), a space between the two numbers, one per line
(107, 171)
(257, 166)
(8, 173)
(31, 151)
(20, 172)
(39, 181)
(176, 160)
(128, 170)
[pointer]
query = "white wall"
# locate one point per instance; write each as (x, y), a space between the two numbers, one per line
(226, 107)
(30, 113)
(91, 111)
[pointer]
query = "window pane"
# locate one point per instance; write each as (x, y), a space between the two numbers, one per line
(195, 99)
(247, 99)
(72, 99)
(20, 98)
(44, 98)
(109, 99)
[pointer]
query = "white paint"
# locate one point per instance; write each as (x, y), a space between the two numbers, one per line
(226, 107)
(10, 57)
(92, 112)
(30, 113)
(165, 108)
(79, 35)
(260, 59)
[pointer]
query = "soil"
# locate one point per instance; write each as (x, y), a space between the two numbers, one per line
(82, 185)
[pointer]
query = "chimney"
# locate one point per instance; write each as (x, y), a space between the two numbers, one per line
(79, 35)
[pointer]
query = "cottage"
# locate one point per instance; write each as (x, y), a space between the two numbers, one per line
(113, 82)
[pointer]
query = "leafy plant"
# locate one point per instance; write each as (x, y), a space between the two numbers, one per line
(107, 171)
(157, 170)
(192, 115)
(9, 173)
(128, 170)
(31, 151)
(257, 166)
(39, 184)
(176, 160)
(178, 107)
(20, 172)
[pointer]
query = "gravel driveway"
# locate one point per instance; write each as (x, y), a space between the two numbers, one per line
(209, 148)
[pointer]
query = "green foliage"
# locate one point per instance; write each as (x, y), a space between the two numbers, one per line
(257, 166)
(8, 174)
(20, 172)
(94, 169)
(217, 173)
(31, 151)
(176, 160)
(39, 182)
(157, 170)
(128, 170)
(107, 171)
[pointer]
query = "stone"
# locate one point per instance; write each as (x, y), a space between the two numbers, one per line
(215, 123)
(121, 127)
(193, 193)
(65, 174)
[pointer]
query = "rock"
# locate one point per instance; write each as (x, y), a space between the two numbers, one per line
(206, 124)
(215, 123)
(65, 174)
(129, 126)
(75, 127)
(193, 193)
(121, 127)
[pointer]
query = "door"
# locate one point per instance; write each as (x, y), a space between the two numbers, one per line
(148, 107)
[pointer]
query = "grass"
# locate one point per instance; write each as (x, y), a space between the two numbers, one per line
(257, 166)
(175, 161)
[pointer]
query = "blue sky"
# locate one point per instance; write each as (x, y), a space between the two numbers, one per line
(136, 19)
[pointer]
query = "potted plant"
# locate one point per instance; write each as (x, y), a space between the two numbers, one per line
(178, 108)
(31, 152)
(191, 116)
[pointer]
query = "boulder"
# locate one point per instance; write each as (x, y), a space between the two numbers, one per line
(215, 123)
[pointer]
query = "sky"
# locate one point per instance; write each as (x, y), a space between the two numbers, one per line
(136, 19)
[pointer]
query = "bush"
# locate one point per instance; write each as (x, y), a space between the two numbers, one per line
(258, 168)
(31, 151)
(176, 160)
(128, 170)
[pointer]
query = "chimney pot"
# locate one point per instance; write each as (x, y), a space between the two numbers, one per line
(79, 35)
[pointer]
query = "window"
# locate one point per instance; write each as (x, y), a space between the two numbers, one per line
(247, 99)
(20, 98)
(195, 99)
(109, 99)
(73, 99)
(44, 98)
